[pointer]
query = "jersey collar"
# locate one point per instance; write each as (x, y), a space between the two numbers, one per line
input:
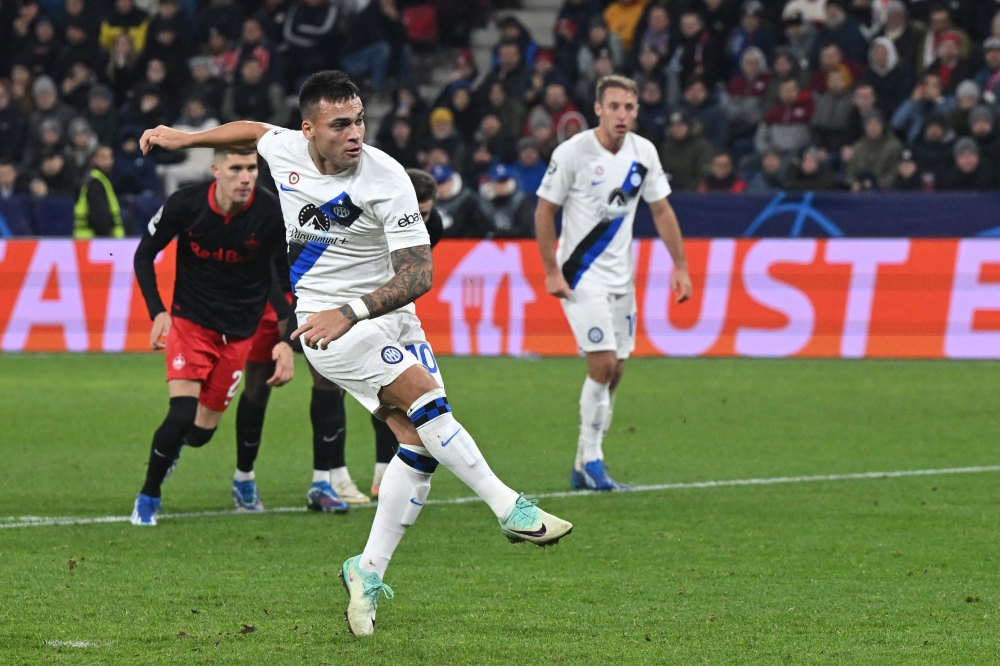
(215, 207)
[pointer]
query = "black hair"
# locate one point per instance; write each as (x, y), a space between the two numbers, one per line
(423, 184)
(331, 85)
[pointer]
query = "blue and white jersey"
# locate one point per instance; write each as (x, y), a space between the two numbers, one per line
(599, 193)
(341, 229)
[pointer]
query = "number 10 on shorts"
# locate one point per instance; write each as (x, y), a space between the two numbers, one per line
(424, 354)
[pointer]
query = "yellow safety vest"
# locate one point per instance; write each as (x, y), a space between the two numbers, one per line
(81, 211)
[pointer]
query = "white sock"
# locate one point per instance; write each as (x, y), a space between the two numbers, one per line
(321, 475)
(595, 403)
(379, 473)
(401, 496)
(339, 475)
(243, 476)
(607, 421)
(448, 442)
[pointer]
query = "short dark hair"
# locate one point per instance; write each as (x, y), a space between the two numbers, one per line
(223, 153)
(423, 184)
(331, 85)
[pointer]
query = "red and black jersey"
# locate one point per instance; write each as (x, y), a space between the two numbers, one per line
(227, 267)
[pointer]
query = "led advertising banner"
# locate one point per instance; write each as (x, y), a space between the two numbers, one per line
(850, 298)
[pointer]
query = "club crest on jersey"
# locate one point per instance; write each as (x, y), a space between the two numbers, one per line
(618, 197)
(179, 362)
(342, 210)
(391, 355)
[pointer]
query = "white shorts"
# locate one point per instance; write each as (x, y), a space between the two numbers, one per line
(373, 354)
(602, 321)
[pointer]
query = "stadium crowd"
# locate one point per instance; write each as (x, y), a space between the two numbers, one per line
(738, 96)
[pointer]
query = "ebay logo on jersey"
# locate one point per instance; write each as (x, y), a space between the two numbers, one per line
(846, 298)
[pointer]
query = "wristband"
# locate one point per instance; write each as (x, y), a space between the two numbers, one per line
(360, 309)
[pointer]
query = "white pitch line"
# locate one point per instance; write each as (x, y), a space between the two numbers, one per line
(45, 521)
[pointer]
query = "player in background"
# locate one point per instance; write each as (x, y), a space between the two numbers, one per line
(359, 258)
(425, 188)
(597, 178)
(229, 236)
(332, 488)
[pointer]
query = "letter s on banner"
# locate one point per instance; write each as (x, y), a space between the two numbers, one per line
(655, 309)
(969, 294)
(779, 296)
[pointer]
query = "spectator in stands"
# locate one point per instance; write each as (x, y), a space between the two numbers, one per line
(457, 205)
(40, 54)
(254, 97)
(97, 212)
(567, 49)
(540, 128)
(940, 24)
(786, 125)
(969, 172)
(507, 108)
(81, 145)
(877, 154)
(908, 176)
(21, 33)
(529, 168)
(511, 30)
(719, 16)
(843, 30)
(703, 109)
(656, 36)
(950, 67)
(653, 117)
(10, 180)
(702, 54)
(891, 79)
(785, 66)
(166, 84)
(577, 12)
(254, 44)
(752, 31)
(101, 114)
(47, 107)
(800, 36)
(123, 66)
(168, 36)
(770, 177)
(933, 150)
(586, 85)
(146, 109)
(510, 72)
(76, 86)
(570, 125)
(443, 135)
(401, 145)
(368, 40)
(220, 17)
(622, 17)
(905, 35)
(500, 143)
(309, 37)
(600, 43)
(80, 41)
(206, 84)
(84, 15)
(54, 178)
(966, 98)
(810, 173)
(13, 125)
(988, 77)
(459, 102)
(832, 117)
(124, 19)
(743, 99)
(557, 103)
(812, 11)
(196, 163)
(864, 100)
(982, 128)
(722, 176)
(927, 98)
(133, 173)
(685, 154)
(50, 139)
(649, 68)
(509, 211)
(831, 58)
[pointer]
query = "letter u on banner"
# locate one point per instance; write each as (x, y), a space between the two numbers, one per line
(698, 339)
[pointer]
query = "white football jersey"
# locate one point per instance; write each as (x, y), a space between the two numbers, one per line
(340, 229)
(599, 193)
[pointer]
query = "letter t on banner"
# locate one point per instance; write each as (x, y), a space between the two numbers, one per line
(969, 294)
(864, 256)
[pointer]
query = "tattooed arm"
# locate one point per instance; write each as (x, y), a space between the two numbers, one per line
(414, 274)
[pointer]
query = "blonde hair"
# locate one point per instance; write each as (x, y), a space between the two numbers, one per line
(616, 81)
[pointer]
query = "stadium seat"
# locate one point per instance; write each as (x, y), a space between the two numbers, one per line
(54, 216)
(16, 211)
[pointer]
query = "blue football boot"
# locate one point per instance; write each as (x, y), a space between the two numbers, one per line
(145, 510)
(596, 477)
(322, 497)
(245, 497)
(576, 480)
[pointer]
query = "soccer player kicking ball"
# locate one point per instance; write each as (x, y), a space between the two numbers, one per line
(229, 236)
(359, 257)
(597, 178)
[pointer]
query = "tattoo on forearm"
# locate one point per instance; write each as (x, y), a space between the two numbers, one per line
(414, 276)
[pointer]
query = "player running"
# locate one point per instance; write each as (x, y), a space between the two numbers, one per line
(359, 258)
(229, 235)
(597, 178)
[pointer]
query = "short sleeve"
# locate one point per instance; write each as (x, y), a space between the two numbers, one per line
(656, 186)
(558, 178)
(399, 213)
(266, 143)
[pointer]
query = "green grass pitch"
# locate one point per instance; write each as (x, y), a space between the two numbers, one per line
(878, 571)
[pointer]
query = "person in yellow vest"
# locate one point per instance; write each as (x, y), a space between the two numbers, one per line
(97, 212)
(622, 16)
(124, 19)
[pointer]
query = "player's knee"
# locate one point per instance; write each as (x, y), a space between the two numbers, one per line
(601, 371)
(418, 460)
(616, 376)
(198, 436)
(182, 411)
(255, 386)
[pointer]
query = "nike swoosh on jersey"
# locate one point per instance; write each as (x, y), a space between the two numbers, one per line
(286, 189)
(539, 533)
(595, 183)
(413, 501)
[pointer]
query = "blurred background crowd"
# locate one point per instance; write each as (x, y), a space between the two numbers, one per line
(739, 96)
